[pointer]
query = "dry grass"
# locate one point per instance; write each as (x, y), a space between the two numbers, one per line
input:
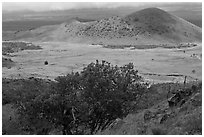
(193, 125)
(158, 131)
(10, 125)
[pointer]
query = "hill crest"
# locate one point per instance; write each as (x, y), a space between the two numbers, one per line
(147, 26)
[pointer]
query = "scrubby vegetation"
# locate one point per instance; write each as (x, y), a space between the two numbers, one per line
(179, 46)
(94, 101)
(11, 47)
(90, 100)
(158, 118)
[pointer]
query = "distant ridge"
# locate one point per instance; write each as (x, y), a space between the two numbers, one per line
(150, 14)
(147, 26)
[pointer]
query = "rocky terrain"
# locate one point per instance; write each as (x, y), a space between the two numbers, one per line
(161, 119)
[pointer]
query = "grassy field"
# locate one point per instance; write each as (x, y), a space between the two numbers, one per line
(65, 57)
(11, 47)
(132, 47)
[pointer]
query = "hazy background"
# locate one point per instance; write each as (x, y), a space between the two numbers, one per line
(23, 16)
(47, 6)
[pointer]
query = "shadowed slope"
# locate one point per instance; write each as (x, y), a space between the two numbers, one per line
(171, 28)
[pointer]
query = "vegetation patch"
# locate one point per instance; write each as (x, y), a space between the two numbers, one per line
(132, 47)
(93, 100)
(11, 47)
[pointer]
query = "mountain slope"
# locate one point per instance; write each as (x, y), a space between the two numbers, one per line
(146, 27)
(161, 119)
(159, 23)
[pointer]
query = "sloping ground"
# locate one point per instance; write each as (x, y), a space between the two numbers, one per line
(10, 123)
(148, 26)
(151, 115)
(13, 89)
(162, 24)
(160, 119)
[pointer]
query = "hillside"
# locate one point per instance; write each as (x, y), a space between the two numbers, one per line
(28, 19)
(145, 27)
(152, 115)
(161, 119)
(157, 23)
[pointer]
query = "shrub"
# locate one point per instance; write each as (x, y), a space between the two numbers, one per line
(193, 71)
(109, 92)
(82, 103)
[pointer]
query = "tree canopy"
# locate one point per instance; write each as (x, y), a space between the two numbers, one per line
(83, 102)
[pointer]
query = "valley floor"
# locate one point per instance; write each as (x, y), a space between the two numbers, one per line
(156, 65)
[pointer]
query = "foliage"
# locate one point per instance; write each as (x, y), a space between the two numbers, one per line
(26, 99)
(14, 90)
(109, 92)
(82, 103)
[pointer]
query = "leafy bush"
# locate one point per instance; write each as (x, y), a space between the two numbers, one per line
(82, 103)
(109, 92)
(14, 90)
